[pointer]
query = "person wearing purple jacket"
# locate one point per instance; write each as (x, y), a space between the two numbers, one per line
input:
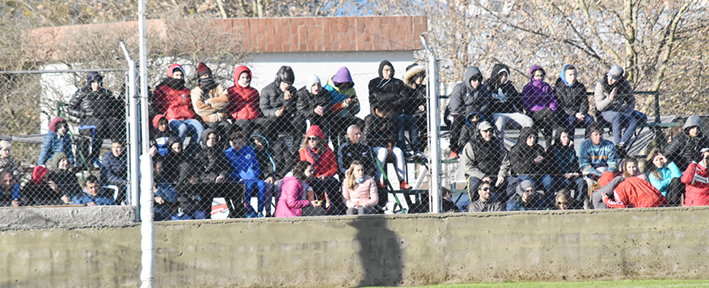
(539, 102)
(343, 101)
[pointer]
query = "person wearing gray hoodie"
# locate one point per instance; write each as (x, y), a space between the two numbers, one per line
(686, 147)
(470, 96)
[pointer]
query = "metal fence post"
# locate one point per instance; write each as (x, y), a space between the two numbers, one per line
(434, 130)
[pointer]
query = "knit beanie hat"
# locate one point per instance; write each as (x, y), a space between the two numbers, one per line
(56, 158)
(202, 69)
(524, 185)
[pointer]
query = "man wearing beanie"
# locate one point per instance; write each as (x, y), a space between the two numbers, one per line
(63, 176)
(313, 104)
(278, 104)
(210, 101)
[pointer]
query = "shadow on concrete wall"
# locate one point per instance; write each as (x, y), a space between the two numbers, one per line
(380, 252)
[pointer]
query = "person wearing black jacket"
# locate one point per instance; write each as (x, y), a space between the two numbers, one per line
(174, 159)
(413, 97)
(160, 135)
(380, 134)
(470, 96)
(100, 115)
(355, 150)
(212, 160)
(687, 146)
(275, 161)
(528, 162)
(385, 87)
(278, 102)
(571, 95)
(565, 164)
(313, 103)
(506, 103)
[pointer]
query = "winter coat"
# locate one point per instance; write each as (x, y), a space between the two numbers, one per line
(381, 89)
(624, 100)
(522, 155)
(98, 104)
(211, 106)
(53, 143)
(307, 102)
(338, 96)
(292, 198)
(349, 152)
(490, 206)
(668, 172)
(379, 131)
(244, 165)
(562, 159)
(537, 94)
(364, 194)
(572, 98)
(211, 160)
(482, 158)
(596, 156)
(86, 198)
(505, 97)
(172, 162)
(697, 179)
(169, 194)
(327, 165)
(684, 149)
(244, 100)
(114, 170)
(277, 160)
(172, 98)
(413, 96)
(159, 138)
(272, 98)
(465, 100)
(632, 192)
(67, 182)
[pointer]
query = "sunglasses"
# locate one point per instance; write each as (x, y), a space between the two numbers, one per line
(314, 138)
(485, 189)
(562, 203)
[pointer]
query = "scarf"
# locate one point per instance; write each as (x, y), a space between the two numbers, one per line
(313, 152)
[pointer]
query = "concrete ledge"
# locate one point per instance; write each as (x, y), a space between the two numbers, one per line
(29, 218)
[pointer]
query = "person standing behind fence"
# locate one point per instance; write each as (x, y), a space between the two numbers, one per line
(173, 100)
(470, 96)
(359, 191)
(343, 101)
(616, 102)
(571, 96)
(57, 140)
(506, 103)
(313, 104)
(210, 101)
(292, 198)
(539, 102)
(244, 101)
(100, 115)
(278, 102)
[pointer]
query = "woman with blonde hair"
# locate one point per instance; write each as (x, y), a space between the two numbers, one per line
(359, 191)
(665, 176)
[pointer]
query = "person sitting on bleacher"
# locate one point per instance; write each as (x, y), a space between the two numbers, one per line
(165, 194)
(43, 191)
(293, 191)
(172, 99)
(413, 98)
(100, 115)
(627, 189)
(615, 100)
(539, 102)
(10, 191)
(278, 102)
(696, 176)
(506, 103)
(193, 203)
(275, 160)
(93, 194)
(571, 96)
(343, 101)
(529, 162)
(485, 157)
(564, 200)
(467, 97)
(355, 150)
(665, 177)
(565, 166)
(380, 133)
(686, 147)
(485, 202)
(63, 176)
(114, 168)
(6, 160)
(597, 155)
(525, 199)
(212, 160)
(57, 140)
(359, 191)
(246, 170)
(210, 101)
(313, 105)
(175, 158)
(160, 136)
(325, 186)
(244, 101)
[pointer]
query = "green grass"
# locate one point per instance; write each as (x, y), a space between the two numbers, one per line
(619, 283)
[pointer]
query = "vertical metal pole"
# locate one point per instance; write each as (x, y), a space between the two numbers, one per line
(434, 146)
(132, 115)
(147, 232)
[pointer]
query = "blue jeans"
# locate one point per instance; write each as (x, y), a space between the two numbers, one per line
(619, 120)
(261, 193)
(186, 126)
(407, 122)
(571, 122)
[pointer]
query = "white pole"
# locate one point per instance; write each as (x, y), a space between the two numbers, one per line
(433, 130)
(147, 243)
(133, 129)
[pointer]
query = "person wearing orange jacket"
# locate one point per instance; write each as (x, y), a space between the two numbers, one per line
(172, 99)
(315, 151)
(244, 101)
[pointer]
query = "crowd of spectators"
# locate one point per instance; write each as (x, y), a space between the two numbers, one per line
(274, 145)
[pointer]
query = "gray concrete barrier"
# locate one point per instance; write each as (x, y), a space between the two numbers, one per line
(370, 250)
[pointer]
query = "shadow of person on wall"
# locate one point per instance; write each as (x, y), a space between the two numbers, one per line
(380, 252)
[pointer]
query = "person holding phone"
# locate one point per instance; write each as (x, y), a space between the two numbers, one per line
(292, 198)
(529, 162)
(565, 164)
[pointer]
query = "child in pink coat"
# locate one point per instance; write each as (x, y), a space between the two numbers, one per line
(292, 198)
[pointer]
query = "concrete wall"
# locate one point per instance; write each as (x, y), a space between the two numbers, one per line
(373, 250)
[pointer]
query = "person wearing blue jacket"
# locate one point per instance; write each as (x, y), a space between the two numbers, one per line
(92, 195)
(665, 177)
(597, 155)
(165, 194)
(245, 169)
(56, 140)
(114, 168)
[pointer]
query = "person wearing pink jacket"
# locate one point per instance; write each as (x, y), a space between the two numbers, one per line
(359, 191)
(292, 198)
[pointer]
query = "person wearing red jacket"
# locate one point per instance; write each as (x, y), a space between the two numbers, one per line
(244, 101)
(697, 179)
(629, 190)
(315, 151)
(173, 100)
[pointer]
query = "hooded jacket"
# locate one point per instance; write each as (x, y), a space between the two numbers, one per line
(505, 98)
(522, 155)
(277, 160)
(244, 165)
(100, 104)
(53, 143)
(697, 179)
(161, 138)
(516, 204)
(537, 94)
(307, 102)
(114, 170)
(173, 161)
(379, 131)
(381, 89)
(291, 201)
(482, 158)
(327, 164)
(244, 100)
(624, 100)
(563, 159)
(632, 192)
(211, 106)
(211, 160)
(413, 96)
(684, 149)
(570, 96)
(465, 100)
(172, 98)
(272, 98)
(338, 96)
